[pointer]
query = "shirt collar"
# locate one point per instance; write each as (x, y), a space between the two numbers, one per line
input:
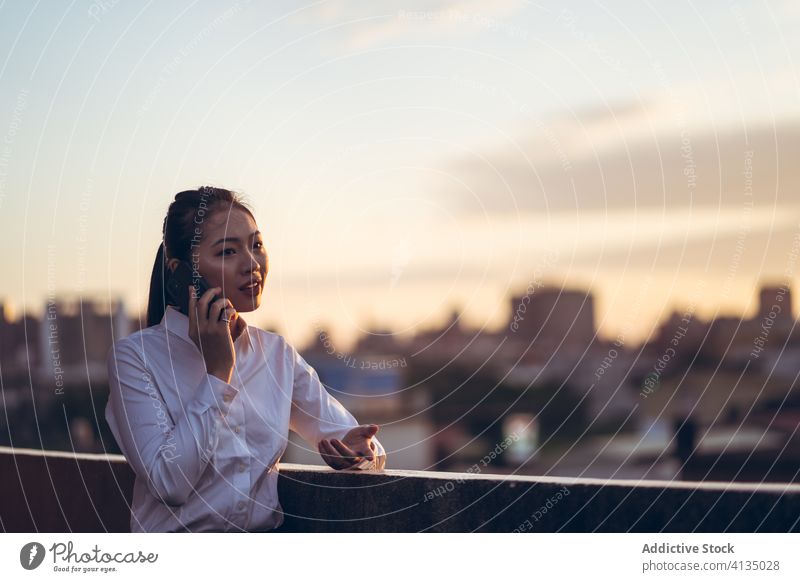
(176, 322)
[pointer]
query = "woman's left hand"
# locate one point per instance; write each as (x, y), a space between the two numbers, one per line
(356, 446)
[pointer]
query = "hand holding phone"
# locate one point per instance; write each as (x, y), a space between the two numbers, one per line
(180, 280)
(207, 328)
(211, 333)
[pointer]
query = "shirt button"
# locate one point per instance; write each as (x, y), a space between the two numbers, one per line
(237, 429)
(227, 398)
(240, 505)
(242, 467)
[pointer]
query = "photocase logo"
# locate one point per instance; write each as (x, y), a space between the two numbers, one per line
(31, 555)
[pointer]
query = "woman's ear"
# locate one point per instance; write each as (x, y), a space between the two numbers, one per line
(172, 265)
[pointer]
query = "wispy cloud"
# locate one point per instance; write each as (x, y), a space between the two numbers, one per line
(428, 20)
(629, 155)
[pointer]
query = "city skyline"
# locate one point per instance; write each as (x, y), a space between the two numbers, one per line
(515, 317)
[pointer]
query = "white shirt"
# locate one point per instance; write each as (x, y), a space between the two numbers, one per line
(205, 452)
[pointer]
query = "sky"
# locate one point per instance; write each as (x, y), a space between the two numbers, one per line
(405, 159)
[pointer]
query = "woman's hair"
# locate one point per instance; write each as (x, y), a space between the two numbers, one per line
(186, 213)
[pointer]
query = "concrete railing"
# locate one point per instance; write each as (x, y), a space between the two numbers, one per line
(62, 492)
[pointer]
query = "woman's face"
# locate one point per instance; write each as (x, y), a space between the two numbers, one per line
(231, 255)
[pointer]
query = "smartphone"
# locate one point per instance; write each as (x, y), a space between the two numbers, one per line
(178, 287)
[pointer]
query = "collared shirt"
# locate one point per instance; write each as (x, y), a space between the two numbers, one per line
(205, 451)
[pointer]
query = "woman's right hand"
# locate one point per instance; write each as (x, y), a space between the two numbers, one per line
(211, 334)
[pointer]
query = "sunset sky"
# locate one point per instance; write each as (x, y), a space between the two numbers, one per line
(405, 158)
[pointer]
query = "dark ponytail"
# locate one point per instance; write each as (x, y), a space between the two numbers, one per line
(158, 278)
(178, 230)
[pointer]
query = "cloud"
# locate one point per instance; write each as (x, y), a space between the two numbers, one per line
(744, 244)
(376, 24)
(616, 161)
(618, 112)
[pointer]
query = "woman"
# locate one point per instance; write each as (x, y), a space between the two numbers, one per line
(201, 405)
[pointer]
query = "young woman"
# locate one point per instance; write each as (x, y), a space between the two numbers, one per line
(201, 404)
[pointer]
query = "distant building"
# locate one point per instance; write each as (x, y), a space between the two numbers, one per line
(737, 340)
(378, 341)
(19, 343)
(775, 303)
(76, 334)
(556, 318)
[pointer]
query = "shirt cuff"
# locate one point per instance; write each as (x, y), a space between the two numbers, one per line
(215, 393)
(367, 465)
